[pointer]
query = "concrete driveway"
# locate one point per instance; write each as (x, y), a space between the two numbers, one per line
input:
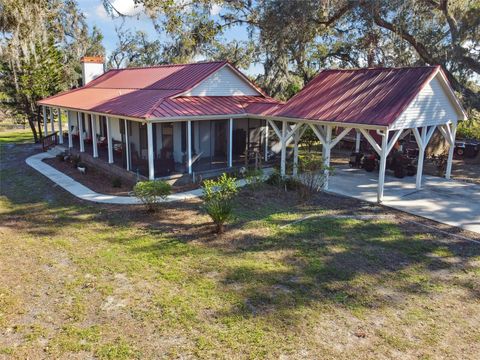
(446, 201)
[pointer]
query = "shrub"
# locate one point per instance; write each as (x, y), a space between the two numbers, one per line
(311, 176)
(152, 193)
(287, 183)
(117, 182)
(75, 160)
(218, 196)
(253, 177)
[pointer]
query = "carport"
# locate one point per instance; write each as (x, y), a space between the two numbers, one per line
(381, 104)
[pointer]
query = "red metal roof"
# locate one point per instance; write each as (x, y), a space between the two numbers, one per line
(374, 96)
(154, 92)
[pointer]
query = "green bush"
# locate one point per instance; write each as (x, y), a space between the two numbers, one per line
(152, 193)
(469, 129)
(218, 196)
(287, 183)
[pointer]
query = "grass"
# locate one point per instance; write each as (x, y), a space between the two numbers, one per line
(83, 280)
(16, 137)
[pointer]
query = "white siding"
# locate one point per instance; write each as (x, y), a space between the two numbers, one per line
(115, 129)
(224, 82)
(432, 106)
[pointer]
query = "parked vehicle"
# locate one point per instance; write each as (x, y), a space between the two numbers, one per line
(356, 160)
(467, 148)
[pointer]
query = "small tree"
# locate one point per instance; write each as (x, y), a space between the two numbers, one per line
(312, 176)
(152, 193)
(218, 196)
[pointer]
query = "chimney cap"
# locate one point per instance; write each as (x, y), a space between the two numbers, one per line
(92, 59)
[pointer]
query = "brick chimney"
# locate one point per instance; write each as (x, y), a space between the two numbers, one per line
(92, 67)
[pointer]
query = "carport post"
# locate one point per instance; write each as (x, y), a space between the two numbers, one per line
(357, 141)
(80, 131)
(421, 155)
(326, 154)
(383, 163)
(283, 156)
(453, 132)
(45, 127)
(60, 130)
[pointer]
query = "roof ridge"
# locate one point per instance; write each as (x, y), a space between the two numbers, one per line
(171, 65)
(385, 68)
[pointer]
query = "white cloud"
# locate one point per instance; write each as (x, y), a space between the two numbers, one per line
(215, 10)
(125, 7)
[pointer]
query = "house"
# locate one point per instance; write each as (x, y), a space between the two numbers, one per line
(185, 118)
(164, 120)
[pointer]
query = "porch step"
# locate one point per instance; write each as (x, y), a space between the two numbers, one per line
(58, 149)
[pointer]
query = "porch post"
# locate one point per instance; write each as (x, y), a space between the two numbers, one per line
(453, 132)
(422, 144)
(151, 165)
(189, 146)
(93, 120)
(283, 156)
(326, 154)
(296, 137)
(80, 131)
(230, 142)
(69, 123)
(383, 163)
(127, 144)
(60, 130)
(358, 135)
(45, 127)
(266, 140)
(52, 123)
(109, 140)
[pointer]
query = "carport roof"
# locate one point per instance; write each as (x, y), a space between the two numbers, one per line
(373, 96)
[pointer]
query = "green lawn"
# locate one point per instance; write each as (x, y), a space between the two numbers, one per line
(16, 136)
(79, 280)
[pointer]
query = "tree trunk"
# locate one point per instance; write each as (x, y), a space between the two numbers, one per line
(39, 122)
(31, 122)
(220, 228)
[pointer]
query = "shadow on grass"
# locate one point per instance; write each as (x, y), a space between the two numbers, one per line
(355, 264)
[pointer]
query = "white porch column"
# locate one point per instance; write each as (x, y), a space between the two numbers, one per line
(80, 131)
(230, 142)
(283, 156)
(453, 133)
(93, 121)
(45, 127)
(109, 140)
(52, 123)
(60, 130)
(296, 136)
(189, 146)
(326, 150)
(151, 164)
(266, 140)
(127, 144)
(358, 135)
(422, 144)
(69, 124)
(382, 166)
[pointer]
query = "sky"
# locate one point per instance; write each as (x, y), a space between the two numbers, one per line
(96, 15)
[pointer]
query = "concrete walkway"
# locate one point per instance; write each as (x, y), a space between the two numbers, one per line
(84, 193)
(446, 201)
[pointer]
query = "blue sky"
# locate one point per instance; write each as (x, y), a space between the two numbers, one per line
(96, 15)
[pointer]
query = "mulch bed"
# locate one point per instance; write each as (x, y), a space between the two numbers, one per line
(94, 179)
(101, 182)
